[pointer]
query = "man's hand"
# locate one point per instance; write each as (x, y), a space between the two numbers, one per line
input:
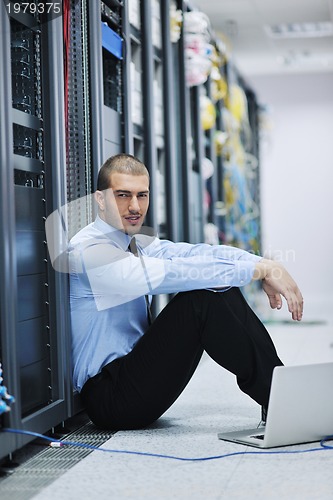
(277, 282)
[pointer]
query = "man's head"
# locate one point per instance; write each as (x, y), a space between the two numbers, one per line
(123, 193)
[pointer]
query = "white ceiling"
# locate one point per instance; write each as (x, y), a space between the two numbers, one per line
(253, 51)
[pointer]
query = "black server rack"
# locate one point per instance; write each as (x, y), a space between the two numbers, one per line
(94, 106)
(79, 173)
(32, 161)
(94, 99)
(7, 257)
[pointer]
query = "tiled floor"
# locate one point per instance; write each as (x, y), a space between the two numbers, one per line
(210, 403)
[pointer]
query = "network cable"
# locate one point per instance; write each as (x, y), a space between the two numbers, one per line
(58, 443)
(5, 398)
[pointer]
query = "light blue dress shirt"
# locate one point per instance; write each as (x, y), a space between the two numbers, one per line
(108, 285)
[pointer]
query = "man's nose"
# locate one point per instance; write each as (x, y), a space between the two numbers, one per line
(134, 204)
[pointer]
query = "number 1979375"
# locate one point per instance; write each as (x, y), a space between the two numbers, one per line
(34, 8)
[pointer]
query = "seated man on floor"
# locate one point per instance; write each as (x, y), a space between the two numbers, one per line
(129, 368)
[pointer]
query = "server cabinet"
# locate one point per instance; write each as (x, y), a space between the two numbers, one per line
(204, 199)
(241, 165)
(32, 346)
(78, 126)
(189, 141)
(150, 107)
(8, 303)
(254, 181)
(111, 22)
(94, 96)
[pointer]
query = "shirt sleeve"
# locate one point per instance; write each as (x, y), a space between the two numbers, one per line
(117, 277)
(167, 249)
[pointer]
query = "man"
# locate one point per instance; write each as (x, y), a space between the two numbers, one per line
(128, 371)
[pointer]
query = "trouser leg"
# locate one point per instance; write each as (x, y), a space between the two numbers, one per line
(135, 390)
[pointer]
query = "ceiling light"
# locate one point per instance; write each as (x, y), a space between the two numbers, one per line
(299, 30)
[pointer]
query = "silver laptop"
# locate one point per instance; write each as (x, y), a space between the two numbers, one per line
(300, 408)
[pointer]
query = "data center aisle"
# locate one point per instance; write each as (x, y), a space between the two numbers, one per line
(211, 403)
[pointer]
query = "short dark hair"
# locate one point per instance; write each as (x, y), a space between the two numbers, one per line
(122, 163)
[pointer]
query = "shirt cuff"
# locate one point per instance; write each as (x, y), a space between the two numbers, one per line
(243, 273)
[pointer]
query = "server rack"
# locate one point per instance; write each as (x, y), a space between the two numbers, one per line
(213, 151)
(220, 207)
(112, 76)
(94, 103)
(210, 153)
(191, 146)
(150, 106)
(7, 257)
(139, 72)
(79, 151)
(32, 346)
(254, 112)
(243, 214)
(171, 119)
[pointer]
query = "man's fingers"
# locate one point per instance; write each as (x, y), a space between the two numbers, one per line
(278, 283)
(295, 305)
(275, 301)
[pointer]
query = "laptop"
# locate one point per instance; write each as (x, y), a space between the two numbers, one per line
(300, 408)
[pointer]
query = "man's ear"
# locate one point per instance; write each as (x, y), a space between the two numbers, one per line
(100, 200)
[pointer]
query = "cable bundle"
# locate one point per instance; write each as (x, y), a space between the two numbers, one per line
(198, 50)
(5, 398)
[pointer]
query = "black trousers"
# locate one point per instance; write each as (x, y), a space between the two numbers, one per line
(135, 390)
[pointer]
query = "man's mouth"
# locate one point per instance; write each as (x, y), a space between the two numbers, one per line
(132, 219)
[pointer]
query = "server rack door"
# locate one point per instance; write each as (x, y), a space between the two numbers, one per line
(34, 47)
(8, 442)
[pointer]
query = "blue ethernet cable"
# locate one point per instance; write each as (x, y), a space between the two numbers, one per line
(58, 443)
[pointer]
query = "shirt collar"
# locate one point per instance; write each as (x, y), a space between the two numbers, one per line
(121, 239)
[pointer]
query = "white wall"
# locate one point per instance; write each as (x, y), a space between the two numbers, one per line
(297, 180)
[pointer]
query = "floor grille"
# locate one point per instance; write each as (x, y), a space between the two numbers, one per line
(38, 472)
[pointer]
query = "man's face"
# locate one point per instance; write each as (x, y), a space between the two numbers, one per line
(124, 205)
